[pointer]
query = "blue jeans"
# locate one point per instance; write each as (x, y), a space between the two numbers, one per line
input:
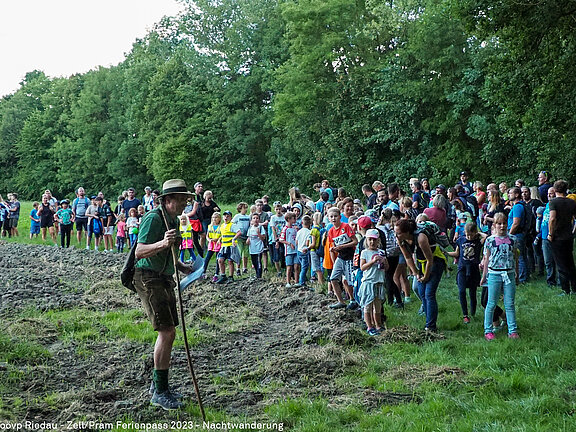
(549, 263)
(427, 293)
(523, 262)
(495, 286)
(304, 260)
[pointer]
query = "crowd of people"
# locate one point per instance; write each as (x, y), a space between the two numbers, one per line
(493, 237)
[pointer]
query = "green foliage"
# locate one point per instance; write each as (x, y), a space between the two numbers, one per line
(256, 96)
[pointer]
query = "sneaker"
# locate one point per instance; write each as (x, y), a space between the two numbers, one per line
(265, 269)
(221, 279)
(337, 305)
(407, 299)
(230, 279)
(489, 336)
(245, 271)
(398, 305)
(352, 306)
(466, 319)
(421, 310)
(297, 285)
(238, 272)
(279, 274)
(87, 248)
(215, 278)
(513, 335)
(177, 395)
(165, 400)
(372, 332)
(288, 285)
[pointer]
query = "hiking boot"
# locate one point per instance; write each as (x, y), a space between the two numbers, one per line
(513, 335)
(165, 400)
(337, 305)
(177, 395)
(222, 279)
(466, 319)
(489, 336)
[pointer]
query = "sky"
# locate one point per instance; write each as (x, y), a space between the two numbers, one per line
(64, 37)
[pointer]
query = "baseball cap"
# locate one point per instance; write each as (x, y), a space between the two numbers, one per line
(372, 233)
(464, 173)
(364, 222)
(227, 212)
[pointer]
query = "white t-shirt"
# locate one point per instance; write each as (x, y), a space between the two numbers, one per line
(302, 238)
(256, 244)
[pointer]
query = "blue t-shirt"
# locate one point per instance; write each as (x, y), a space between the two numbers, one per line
(470, 251)
(501, 251)
(517, 211)
(34, 214)
(460, 229)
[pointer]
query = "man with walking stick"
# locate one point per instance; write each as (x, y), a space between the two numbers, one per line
(154, 283)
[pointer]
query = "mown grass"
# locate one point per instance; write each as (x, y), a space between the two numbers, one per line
(460, 383)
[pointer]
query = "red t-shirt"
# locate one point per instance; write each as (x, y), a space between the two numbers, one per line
(437, 215)
(342, 235)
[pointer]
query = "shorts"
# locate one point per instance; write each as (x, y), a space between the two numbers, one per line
(225, 254)
(13, 222)
(109, 230)
(243, 249)
(290, 259)
(6, 225)
(277, 254)
(157, 295)
(46, 223)
(35, 229)
(342, 269)
(82, 224)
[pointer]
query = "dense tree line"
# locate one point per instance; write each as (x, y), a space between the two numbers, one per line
(254, 96)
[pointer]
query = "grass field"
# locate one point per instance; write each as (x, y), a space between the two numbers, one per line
(460, 383)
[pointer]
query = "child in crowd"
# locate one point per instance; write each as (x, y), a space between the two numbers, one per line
(187, 239)
(344, 241)
(468, 250)
(371, 293)
(277, 223)
(393, 254)
(214, 235)
(229, 234)
(34, 220)
(141, 211)
(65, 217)
(500, 269)
(132, 224)
(303, 249)
(242, 222)
(121, 233)
(316, 250)
(288, 239)
(255, 242)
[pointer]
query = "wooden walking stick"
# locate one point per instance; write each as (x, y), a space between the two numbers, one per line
(181, 308)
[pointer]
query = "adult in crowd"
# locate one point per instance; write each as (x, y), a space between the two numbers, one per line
(370, 196)
(437, 212)
(5, 216)
(543, 185)
(420, 199)
(208, 207)
(534, 255)
(561, 235)
(79, 207)
(266, 207)
(426, 186)
(148, 199)
(393, 196)
(382, 200)
(108, 221)
(154, 283)
(194, 212)
(517, 219)
(493, 206)
(14, 212)
(131, 202)
(46, 213)
(549, 264)
(466, 184)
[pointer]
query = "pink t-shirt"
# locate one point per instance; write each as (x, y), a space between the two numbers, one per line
(437, 215)
(121, 229)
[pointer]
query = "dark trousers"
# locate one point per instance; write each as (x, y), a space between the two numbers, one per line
(257, 263)
(468, 277)
(65, 231)
(209, 256)
(392, 290)
(562, 251)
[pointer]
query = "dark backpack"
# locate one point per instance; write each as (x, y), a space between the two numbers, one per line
(423, 201)
(529, 221)
(472, 203)
(434, 234)
(127, 274)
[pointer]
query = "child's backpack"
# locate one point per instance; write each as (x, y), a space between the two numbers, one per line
(96, 227)
(435, 236)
